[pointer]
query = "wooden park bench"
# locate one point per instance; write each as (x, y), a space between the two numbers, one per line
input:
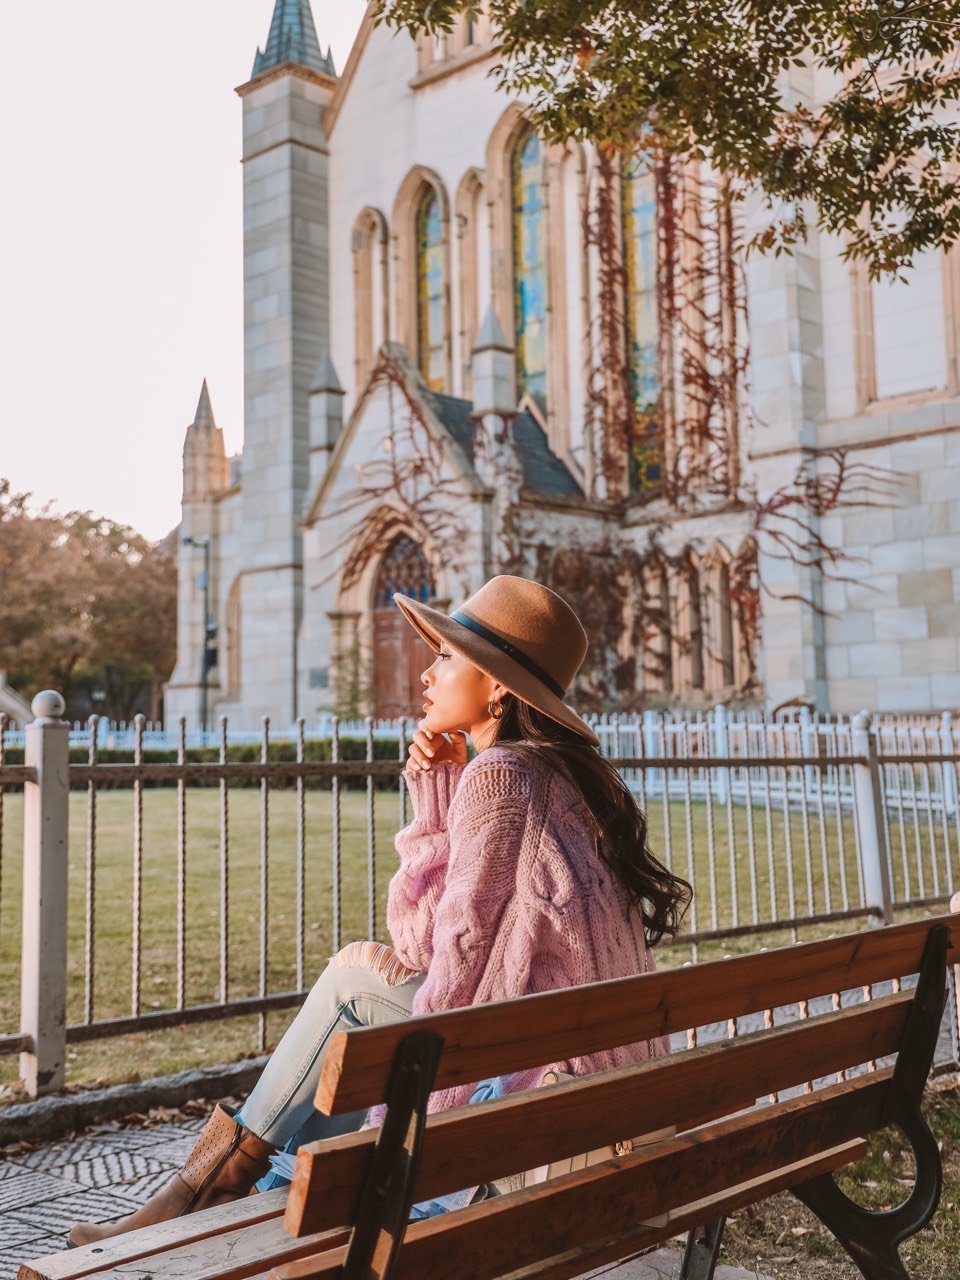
(731, 1139)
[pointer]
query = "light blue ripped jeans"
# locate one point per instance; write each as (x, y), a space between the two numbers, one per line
(363, 986)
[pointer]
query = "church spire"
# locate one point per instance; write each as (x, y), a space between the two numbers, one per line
(293, 38)
(204, 415)
(205, 466)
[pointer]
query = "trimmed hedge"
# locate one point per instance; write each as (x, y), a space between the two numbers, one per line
(281, 750)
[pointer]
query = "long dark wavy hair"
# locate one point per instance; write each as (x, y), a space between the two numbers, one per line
(660, 897)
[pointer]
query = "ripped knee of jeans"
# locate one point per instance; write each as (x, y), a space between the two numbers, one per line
(376, 957)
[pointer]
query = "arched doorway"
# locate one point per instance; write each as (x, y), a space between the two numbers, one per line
(399, 655)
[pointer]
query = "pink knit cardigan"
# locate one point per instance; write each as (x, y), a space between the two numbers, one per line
(501, 893)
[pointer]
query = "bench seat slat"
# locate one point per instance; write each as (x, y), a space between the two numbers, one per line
(134, 1245)
(230, 1255)
(508, 1232)
(491, 1140)
(489, 1040)
(575, 1262)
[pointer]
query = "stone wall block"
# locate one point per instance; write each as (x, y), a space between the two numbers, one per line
(875, 524)
(940, 485)
(900, 624)
(881, 659)
(903, 693)
(897, 557)
(943, 619)
(875, 592)
(945, 690)
(849, 626)
(922, 522)
(930, 657)
(923, 452)
(849, 696)
(942, 553)
(928, 586)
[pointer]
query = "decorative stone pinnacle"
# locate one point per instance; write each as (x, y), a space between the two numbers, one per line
(325, 378)
(491, 335)
(204, 415)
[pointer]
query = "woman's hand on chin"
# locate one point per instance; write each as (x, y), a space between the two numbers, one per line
(429, 748)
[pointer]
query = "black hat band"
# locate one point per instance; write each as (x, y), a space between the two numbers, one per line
(511, 651)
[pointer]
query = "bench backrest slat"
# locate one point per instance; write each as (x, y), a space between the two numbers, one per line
(489, 1141)
(491, 1040)
(500, 1235)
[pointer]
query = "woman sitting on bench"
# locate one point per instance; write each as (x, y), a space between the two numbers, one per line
(524, 871)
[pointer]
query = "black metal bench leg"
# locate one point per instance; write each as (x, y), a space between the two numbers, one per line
(872, 1239)
(855, 1228)
(702, 1251)
(388, 1187)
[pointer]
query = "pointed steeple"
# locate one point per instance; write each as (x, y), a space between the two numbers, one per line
(491, 336)
(204, 415)
(325, 378)
(492, 370)
(205, 466)
(293, 38)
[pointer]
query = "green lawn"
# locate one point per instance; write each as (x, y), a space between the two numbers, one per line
(716, 863)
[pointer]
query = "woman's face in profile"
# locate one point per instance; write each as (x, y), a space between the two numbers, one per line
(456, 694)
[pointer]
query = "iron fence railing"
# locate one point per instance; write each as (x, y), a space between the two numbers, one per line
(159, 893)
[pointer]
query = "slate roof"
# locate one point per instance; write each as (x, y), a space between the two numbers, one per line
(543, 471)
(293, 38)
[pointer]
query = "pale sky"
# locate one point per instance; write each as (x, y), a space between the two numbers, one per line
(121, 268)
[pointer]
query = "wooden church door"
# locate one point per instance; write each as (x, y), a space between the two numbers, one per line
(399, 654)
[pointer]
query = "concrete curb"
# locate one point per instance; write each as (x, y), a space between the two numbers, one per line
(60, 1114)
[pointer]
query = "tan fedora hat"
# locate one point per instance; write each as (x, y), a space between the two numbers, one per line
(521, 633)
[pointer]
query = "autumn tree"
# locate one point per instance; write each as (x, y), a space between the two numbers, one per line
(876, 159)
(85, 603)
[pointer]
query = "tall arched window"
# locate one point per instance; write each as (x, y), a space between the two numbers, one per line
(643, 327)
(430, 284)
(530, 265)
(404, 569)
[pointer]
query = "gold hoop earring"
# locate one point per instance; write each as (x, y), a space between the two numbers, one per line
(494, 709)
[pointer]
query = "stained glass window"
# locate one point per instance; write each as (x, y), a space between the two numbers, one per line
(404, 569)
(530, 267)
(430, 334)
(643, 328)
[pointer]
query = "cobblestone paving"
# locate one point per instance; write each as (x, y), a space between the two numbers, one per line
(100, 1176)
(107, 1173)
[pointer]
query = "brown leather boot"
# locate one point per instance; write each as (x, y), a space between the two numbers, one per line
(223, 1166)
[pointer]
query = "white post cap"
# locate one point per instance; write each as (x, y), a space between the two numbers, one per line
(48, 705)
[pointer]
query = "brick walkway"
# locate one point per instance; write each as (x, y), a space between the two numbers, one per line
(100, 1176)
(110, 1171)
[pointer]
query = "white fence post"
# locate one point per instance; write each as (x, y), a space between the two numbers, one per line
(651, 749)
(808, 747)
(949, 769)
(43, 983)
(871, 827)
(721, 747)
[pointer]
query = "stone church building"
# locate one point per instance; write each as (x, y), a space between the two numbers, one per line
(468, 351)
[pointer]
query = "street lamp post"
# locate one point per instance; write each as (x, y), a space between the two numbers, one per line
(208, 651)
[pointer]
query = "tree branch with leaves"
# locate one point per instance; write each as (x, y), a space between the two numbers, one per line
(874, 156)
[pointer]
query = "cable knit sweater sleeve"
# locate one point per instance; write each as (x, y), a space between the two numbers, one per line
(488, 824)
(424, 848)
